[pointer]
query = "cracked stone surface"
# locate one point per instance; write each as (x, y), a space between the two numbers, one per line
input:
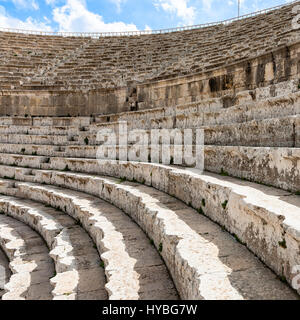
(72, 249)
(29, 262)
(128, 256)
(205, 262)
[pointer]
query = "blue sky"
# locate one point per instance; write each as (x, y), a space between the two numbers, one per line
(120, 15)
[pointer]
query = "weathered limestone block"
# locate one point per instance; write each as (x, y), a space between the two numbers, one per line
(142, 200)
(126, 269)
(71, 248)
(277, 132)
(29, 262)
(34, 139)
(226, 202)
(279, 167)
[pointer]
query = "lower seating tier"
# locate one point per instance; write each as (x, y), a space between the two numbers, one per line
(278, 167)
(77, 265)
(133, 268)
(205, 262)
(271, 132)
(29, 262)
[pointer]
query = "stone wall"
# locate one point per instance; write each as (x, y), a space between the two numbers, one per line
(63, 103)
(276, 66)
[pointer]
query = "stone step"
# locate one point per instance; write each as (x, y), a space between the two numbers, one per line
(35, 139)
(79, 275)
(46, 121)
(272, 132)
(75, 258)
(194, 116)
(133, 268)
(278, 167)
(174, 227)
(23, 161)
(29, 261)
(42, 130)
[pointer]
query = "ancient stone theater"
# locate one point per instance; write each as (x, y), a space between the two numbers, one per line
(92, 206)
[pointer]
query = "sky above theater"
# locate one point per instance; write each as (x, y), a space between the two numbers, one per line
(120, 15)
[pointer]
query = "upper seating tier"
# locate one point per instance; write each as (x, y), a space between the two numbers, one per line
(42, 62)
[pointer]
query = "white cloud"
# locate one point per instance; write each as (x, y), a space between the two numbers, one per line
(118, 3)
(178, 7)
(74, 16)
(51, 2)
(7, 21)
(26, 4)
(207, 4)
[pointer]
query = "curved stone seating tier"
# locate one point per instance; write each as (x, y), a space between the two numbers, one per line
(276, 107)
(277, 167)
(25, 56)
(29, 261)
(133, 268)
(79, 274)
(272, 132)
(204, 261)
(73, 62)
(210, 111)
(253, 104)
(237, 125)
(43, 130)
(205, 111)
(5, 273)
(45, 121)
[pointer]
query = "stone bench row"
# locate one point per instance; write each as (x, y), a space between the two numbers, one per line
(133, 268)
(273, 132)
(204, 265)
(250, 211)
(195, 116)
(46, 121)
(40, 130)
(207, 111)
(278, 167)
(29, 261)
(283, 89)
(78, 272)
